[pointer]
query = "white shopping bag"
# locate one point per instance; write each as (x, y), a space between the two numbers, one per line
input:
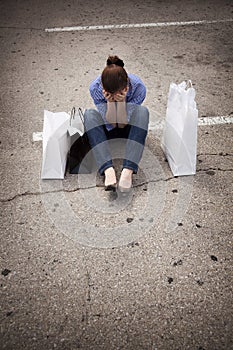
(56, 145)
(179, 141)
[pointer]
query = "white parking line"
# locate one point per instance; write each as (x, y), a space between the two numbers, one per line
(215, 120)
(38, 136)
(136, 25)
(202, 121)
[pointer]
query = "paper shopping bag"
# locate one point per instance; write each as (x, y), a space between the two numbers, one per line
(80, 158)
(55, 145)
(179, 141)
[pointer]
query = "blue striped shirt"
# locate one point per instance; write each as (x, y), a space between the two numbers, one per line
(135, 96)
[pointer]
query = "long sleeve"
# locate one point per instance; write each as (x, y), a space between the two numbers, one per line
(137, 90)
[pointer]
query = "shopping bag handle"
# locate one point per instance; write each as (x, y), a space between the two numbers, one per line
(80, 112)
(189, 84)
(72, 114)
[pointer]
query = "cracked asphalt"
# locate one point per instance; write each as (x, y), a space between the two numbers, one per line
(83, 269)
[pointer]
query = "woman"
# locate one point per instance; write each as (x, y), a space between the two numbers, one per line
(118, 97)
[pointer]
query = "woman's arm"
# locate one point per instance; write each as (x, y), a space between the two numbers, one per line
(121, 113)
(111, 113)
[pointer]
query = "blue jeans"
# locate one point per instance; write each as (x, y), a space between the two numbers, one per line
(135, 134)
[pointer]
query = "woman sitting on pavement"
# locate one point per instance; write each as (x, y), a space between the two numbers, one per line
(118, 97)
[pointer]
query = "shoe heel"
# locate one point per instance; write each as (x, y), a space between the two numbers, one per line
(124, 189)
(111, 187)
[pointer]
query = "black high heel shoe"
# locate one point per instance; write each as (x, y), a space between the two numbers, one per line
(111, 187)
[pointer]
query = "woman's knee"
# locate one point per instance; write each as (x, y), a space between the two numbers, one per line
(140, 117)
(145, 113)
(92, 118)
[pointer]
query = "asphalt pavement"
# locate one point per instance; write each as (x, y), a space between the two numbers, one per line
(85, 269)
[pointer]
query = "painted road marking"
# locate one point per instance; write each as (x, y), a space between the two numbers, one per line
(37, 136)
(203, 121)
(215, 120)
(136, 25)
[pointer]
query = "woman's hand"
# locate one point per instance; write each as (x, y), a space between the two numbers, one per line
(116, 97)
(109, 97)
(121, 96)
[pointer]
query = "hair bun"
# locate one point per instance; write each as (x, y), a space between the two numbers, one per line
(115, 60)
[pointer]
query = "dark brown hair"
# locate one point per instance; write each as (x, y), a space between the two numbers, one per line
(114, 77)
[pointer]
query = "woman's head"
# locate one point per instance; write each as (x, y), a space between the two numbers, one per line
(114, 77)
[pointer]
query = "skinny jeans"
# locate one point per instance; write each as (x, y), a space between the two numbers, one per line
(134, 133)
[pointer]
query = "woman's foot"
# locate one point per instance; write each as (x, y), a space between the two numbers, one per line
(125, 183)
(110, 182)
